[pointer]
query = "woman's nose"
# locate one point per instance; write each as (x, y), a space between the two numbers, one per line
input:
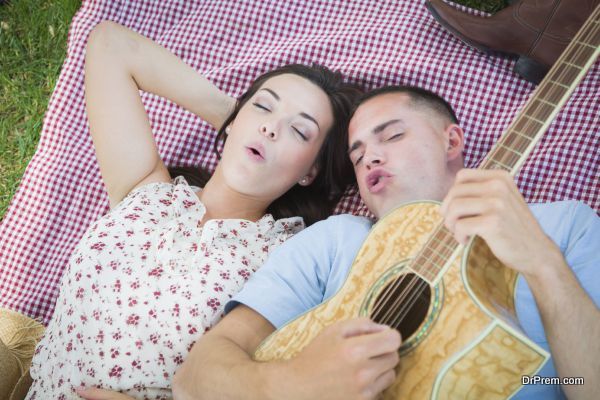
(268, 131)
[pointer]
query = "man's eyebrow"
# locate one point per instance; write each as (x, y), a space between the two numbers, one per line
(381, 127)
(302, 114)
(378, 129)
(354, 146)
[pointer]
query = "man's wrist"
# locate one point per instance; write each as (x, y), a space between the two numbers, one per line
(549, 272)
(278, 380)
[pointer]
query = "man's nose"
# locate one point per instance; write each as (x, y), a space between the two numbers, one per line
(269, 131)
(373, 160)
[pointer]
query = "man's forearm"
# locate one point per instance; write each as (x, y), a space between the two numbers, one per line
(156, 70)
(572, 325)
(222, 370)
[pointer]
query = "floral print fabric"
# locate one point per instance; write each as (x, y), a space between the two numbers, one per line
(145, 282)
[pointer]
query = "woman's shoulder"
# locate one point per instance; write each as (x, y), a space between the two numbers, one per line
(279, 227)
(175, 196)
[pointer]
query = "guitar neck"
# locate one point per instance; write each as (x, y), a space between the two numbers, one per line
(527, 129)
(518, 141)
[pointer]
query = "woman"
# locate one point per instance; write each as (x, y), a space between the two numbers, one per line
(154, 273)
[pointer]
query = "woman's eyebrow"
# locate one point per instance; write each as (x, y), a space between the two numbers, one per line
(310, 118)
(272, 93)
(302, 114)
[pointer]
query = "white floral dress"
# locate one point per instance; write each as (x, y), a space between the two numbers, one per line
(145, 282)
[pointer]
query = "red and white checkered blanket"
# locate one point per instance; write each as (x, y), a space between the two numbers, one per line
(373, 42)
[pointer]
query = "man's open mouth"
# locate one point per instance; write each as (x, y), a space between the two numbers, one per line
(377, 180)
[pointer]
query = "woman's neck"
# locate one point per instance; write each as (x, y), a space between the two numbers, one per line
(222, 202)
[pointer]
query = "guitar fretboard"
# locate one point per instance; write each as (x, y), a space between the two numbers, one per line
(523, 134)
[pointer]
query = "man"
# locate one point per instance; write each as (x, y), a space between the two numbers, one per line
(406, 145)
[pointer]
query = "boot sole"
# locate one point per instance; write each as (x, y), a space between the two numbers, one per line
(477, 46)
(525, 67)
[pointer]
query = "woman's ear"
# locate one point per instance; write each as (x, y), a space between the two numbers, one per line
(455, 137)
(310, 176)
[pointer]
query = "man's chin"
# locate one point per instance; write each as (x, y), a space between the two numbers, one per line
(380, 206)
(381, 210)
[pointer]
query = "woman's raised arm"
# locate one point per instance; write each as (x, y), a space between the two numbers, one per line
(120, 62)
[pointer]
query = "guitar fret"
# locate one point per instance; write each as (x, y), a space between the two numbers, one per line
(428, 258)
(435, 254)
(542, 109)
(572, 65)
(422, 265)
(585, 44)
(546, 102)
(426, 273)
(440, 258)
(559, 84)
(502, 166)
(533, 119)
(550, 92)
(523, 135)
(449, 247)
(515, 152)
(432, 253)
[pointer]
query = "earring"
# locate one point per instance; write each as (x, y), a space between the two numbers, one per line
(304, 181)
(227, 129)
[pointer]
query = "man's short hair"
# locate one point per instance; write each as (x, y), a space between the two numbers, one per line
(419, 97)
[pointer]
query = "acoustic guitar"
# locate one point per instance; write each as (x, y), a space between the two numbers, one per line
(453, 305)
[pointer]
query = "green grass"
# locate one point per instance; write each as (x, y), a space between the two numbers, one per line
(490, 6)
(33, 38)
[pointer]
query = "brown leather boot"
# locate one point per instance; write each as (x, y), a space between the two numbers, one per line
(537, 31)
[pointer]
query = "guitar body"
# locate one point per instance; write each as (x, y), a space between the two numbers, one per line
(462, 338)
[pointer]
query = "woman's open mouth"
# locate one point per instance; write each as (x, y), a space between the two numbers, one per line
(256, 152)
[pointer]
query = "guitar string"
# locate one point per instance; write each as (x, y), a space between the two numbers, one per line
(406, 306)
(415, 280)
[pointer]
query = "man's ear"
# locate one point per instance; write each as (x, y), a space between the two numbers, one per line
(310, 176)
(455, 137)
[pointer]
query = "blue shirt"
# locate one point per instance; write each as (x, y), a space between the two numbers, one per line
(311, 267)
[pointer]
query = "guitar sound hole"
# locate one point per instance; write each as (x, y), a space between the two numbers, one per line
(403, 304)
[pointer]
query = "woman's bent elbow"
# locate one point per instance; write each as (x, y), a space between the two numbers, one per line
(106, 37)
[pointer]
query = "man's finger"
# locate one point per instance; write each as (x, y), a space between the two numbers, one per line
(382, 382)
(360, 326)
(479, 175)
(379, 343)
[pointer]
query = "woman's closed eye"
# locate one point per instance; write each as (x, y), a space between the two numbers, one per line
(261, 106)
(300, 133)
